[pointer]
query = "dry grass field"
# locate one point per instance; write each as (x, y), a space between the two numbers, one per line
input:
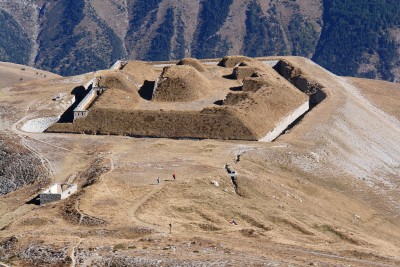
(326, 193)
(11, 73)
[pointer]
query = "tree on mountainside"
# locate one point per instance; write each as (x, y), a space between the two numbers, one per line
(356, 31)
(263, 34)
(208, 43)
(15, 45)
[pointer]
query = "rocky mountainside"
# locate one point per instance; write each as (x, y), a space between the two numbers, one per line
(75, 36)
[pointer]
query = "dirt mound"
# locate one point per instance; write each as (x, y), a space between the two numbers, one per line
(235, 98)
(233, 61)
(115, 79)
(140, 71)
(117, 98)
(195, 63)
(181, 84)
(253, 84)
(241, 72)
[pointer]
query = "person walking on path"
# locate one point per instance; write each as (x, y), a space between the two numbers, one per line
(174, 176)
(158, 180)
(170, 228)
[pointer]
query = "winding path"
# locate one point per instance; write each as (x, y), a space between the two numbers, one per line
(131, 211)
(73, 259)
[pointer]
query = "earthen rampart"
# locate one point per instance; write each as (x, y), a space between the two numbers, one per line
(295, 76)
(211, 124)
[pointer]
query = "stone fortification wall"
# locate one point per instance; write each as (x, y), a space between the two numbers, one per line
(86, 100)
(69, 191)
(285, 122)
(47, 198)
(119, 65)
(81, 110)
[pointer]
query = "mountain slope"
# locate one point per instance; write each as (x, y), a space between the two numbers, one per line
(359, 38)
(11, 74)
(69, 37)
(324, 193)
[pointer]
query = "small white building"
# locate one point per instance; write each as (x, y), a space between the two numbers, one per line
(57, 192)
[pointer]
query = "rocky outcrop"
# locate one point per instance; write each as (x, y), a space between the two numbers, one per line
(41, 255)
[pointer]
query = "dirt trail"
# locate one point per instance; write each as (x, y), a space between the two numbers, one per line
(141, 202)
(24, 141)
(73, 260)
(131, 211)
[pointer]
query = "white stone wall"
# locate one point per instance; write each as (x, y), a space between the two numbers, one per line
(271, 63)
(118, 65)
(283, 124)
(87, 100)
(55, 193)
(54, 189)
(72, 189)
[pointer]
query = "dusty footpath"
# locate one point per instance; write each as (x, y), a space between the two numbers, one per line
(326, 193)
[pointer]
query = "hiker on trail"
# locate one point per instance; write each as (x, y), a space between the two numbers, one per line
(227, 168)
(237, 158)
(170, 228)
(174, 176)
(158, 180)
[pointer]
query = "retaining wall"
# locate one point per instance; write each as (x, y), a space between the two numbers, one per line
(70, 190)
(81, 110)
(47, 198)
(284, 124)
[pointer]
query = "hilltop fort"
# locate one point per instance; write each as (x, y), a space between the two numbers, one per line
(235, 97)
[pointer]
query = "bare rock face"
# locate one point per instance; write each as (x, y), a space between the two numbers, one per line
(45, 255)
(8, 247)
(180, 84)
(8, 243)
